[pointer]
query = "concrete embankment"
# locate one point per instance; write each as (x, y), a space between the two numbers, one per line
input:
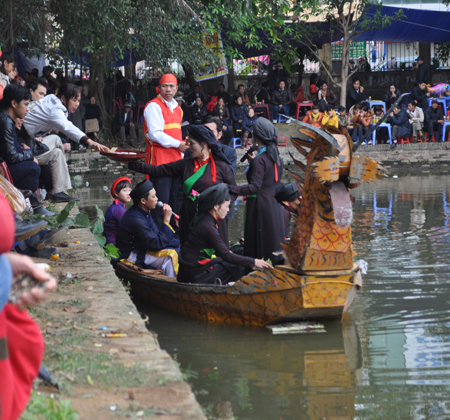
(123, 378)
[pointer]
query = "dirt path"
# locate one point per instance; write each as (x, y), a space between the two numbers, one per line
(129, 377)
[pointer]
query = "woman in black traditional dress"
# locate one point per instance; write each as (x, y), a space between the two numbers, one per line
(263, 222)
(206, 167)
(197, 264)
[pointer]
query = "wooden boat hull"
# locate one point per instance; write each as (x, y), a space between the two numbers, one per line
(260, 298)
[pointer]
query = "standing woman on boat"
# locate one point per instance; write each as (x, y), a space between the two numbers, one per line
(263, 221)
(206, 167)
(197, 264)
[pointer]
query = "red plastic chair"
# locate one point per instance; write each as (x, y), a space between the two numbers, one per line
(282, 141)
(403, 140)
(8, 176)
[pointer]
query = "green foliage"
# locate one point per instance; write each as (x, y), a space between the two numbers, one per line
(45, 407)
(442, 52)
(109, 250)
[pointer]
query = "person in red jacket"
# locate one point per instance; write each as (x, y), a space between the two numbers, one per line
(314, 117)
(18, 332)
(162, 129)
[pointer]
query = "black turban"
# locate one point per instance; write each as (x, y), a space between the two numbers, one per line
(216, 194)
(266, 132)
(203, 133)
(140, 190)
(286, 192)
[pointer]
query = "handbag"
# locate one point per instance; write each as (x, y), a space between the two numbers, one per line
(91, 126)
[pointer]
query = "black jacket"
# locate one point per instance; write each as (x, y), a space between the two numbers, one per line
(199, 113)
(93, 112)
(238, 112)
(388, 98)
(193, 96)
(402, 120)
(422, 74)
(224, 95)
(10, 149)
(420, 97)
(433, 115)
(282, 97)
(223, 114)
(120, 117)
(355, 97)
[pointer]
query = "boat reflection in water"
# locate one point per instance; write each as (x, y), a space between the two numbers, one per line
(249, 373)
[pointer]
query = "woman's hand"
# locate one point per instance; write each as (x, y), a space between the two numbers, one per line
(100, 147)
(23, 264)
(261, 264)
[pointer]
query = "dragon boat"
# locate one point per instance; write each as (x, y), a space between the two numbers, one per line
(319, 279)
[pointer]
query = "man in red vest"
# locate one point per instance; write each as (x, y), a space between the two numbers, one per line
(162, 128)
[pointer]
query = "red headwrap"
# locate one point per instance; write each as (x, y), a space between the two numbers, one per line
(167, 78)
(116, 182)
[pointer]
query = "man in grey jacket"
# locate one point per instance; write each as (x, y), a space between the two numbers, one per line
(416, 119)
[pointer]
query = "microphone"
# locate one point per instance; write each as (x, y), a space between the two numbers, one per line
(245, 156)
(160, 204)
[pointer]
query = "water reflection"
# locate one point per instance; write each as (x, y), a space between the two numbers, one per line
(390, 360)
(258, 375)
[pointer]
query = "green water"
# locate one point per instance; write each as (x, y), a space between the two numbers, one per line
(389, 360)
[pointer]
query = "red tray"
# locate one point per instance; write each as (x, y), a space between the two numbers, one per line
(124, 155)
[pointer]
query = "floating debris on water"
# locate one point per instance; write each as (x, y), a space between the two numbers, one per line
(297, 328)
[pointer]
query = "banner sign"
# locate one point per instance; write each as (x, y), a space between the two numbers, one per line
(209, 71)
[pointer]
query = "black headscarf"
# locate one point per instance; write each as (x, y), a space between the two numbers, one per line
(216, 194)
(265, 131)
(140, 190)
(203, 133)
(286, 192)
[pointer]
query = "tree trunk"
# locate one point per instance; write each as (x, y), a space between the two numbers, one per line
(190, 77)
(344, 67)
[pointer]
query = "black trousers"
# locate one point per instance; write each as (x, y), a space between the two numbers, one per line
(434, 128)
(25, 175)
(168, 190)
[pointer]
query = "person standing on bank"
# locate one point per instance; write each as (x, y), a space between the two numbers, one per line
(162, 129)
(206, 167)
(422, 72)
(197, 264)
(263, 226)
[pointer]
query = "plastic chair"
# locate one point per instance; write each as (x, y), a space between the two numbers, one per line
(281, 119)
(236, 142)
(5, 168)
(137, 112)
(403, 140)
(249, 140)
(374, 133)
(282, 141)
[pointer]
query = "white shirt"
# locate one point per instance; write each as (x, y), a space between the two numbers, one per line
(155, 123)
(50, 114)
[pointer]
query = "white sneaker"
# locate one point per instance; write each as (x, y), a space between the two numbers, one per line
(288, 121)
(275, 121)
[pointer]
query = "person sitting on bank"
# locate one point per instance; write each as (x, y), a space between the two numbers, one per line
(434, 120)
(124, 124)
(221, 111)
(416, 118)
(138, 238)
(199, 112)
(205, 258)
(314, 117)
(223, 94)
(330, 118)
(196, 93)
(361, 121)
(419, 95)
(391, 96)
(120, 192)
(243, 93)
(247, 125)
(342, 116)
(93, 112)
(289, 196)
(238, 112)
(22, 164)
(401, 127)
(281, 100)
(326, 96)
(356, 94)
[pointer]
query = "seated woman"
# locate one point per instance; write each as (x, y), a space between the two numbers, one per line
(206, 167)
(314, 117)
(138, 238)
(197, 264)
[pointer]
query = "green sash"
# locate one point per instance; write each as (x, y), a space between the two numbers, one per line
(189, 183)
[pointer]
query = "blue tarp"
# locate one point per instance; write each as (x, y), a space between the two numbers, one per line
(416, 26)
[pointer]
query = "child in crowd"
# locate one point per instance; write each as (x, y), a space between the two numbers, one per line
(120, 192)
(247, 125)
(199, 112)
(330, 118)
(343, 121)
(314, 117)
